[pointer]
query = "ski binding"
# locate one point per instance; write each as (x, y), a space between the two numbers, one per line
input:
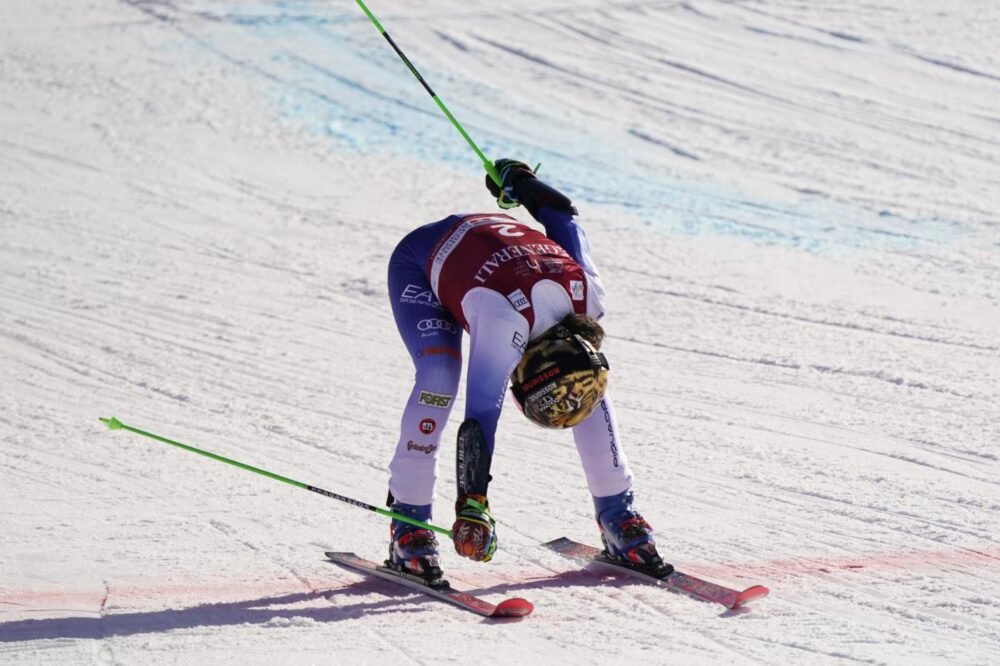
(439, 589)
(676, 580)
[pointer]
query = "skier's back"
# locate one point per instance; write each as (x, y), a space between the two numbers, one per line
(531, 304)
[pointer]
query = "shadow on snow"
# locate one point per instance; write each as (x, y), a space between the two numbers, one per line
(266, 610)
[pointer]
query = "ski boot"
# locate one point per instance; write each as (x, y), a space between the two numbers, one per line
(413, 550)
(626, 535)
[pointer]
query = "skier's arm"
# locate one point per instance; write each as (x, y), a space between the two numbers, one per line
(494, 328)
(555, 211)
(552, 208)
(561, 227)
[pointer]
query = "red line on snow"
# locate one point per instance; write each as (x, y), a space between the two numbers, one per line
(915, 559)
(94, 600)
(97, 598)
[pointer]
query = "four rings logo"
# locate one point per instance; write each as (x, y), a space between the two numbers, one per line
(518, 300)
(438, 400)
(435, 325)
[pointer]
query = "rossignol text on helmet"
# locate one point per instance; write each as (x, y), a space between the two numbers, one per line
(560, 379)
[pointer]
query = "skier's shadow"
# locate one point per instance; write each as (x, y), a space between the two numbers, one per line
(584, 578)
(273, 609)
(566, 579)
(264, 610)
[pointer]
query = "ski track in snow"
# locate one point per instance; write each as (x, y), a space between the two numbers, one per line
(794, 210)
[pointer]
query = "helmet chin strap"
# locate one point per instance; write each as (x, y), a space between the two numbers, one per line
(597, 359)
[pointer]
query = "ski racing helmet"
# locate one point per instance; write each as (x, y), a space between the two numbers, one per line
(562, 377)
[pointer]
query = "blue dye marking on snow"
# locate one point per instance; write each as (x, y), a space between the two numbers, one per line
(333, 75)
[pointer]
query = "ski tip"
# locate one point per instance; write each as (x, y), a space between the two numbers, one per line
(750, 594)
(515, 607)
(111, 422)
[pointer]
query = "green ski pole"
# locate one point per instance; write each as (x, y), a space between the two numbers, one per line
(115, 424)
(490, 168)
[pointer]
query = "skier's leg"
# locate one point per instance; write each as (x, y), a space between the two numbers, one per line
(625, 533)
(601, 452)
(434, 341)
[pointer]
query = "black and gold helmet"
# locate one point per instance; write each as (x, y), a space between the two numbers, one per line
(562, 377)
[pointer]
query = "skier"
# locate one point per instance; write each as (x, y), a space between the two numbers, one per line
(530, 302)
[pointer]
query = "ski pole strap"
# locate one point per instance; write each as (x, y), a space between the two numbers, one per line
(115, 424)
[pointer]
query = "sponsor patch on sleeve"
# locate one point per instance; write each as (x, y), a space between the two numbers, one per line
(518, 300)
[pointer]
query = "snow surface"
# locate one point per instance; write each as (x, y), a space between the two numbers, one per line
(794, 207)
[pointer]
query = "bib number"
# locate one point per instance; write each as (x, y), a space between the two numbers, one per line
(508, 230)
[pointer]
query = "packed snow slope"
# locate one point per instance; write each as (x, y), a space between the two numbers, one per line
(794, 209)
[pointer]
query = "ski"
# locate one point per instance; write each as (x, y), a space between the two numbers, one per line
(677, 581)
(514, 607)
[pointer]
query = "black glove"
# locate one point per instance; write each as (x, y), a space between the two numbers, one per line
(518, 185)
(511, 171)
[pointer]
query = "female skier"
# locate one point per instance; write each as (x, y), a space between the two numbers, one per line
(530, 302)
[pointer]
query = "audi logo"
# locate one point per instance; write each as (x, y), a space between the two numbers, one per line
(436, 325)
